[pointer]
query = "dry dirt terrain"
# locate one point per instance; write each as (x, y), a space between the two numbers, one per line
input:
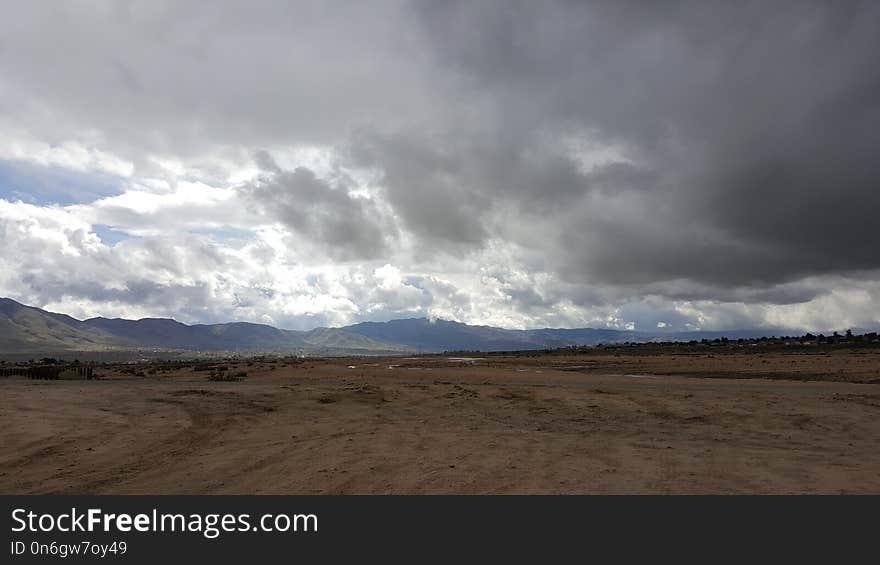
(797, 423)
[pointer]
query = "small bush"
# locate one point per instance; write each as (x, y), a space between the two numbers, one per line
(222, 376)
(209, 367)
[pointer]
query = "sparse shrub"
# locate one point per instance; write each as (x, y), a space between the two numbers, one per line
(223, 376)
(209, 367)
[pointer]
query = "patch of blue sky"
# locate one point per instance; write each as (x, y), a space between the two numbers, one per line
(42, 185)
(110, 236)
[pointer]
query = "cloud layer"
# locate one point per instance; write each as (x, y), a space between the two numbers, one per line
(522, 164)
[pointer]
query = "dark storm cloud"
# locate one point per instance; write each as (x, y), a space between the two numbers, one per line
(347, 226)
(423, 182)
(753, 131)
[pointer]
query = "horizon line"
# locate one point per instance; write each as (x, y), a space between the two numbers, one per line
(652, 331)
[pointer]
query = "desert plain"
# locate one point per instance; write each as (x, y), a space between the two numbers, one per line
(692, 422)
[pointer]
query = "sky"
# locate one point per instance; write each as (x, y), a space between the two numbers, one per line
(651, 166)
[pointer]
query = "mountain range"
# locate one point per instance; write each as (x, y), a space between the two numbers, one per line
(26, 329)
(29, 330)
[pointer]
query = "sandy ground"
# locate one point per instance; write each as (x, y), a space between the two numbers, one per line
(600, 424)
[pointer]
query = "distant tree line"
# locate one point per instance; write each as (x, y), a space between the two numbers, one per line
(806, 341)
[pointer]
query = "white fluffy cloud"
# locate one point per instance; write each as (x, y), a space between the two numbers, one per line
(55, 259)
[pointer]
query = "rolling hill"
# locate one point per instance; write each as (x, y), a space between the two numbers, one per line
(25, 329)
